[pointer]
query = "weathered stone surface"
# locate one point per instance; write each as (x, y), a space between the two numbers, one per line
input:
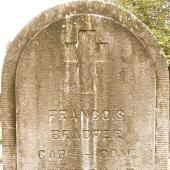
(85, 87)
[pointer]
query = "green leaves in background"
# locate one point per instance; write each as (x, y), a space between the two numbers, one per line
(155, 14)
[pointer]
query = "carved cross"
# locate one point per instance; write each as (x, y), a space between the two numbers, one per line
(87, 52)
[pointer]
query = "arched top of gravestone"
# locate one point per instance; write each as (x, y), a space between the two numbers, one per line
(19, 48)
(51, 15)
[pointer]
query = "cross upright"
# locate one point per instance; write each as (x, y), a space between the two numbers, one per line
(84, 49)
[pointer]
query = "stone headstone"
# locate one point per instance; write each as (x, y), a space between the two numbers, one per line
(85, 87)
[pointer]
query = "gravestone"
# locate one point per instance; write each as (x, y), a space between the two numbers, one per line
(85, 87)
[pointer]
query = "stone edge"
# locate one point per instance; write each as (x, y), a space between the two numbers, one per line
(84, 7)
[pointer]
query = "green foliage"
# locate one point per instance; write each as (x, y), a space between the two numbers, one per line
(156, 15)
